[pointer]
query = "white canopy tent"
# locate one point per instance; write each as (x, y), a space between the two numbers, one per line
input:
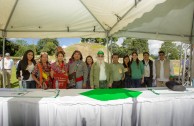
(153, 19)
(172, 20)
(68, 18)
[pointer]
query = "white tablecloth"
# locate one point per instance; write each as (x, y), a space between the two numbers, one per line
(169, 108)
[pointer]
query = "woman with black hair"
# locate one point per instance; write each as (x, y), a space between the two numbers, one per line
(25, 68)
(127, 70)
(78, 71)
(137, 71)
(59, 71)
(89, 61)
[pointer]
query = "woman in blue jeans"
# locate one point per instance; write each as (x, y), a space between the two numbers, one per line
(137, 71)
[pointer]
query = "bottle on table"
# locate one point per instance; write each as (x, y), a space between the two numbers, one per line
(57, 85)
(24, 85)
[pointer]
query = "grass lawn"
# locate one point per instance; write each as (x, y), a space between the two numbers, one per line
(14, 80)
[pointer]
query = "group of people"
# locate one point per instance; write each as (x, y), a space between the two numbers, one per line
(133, 73)
(77, 74)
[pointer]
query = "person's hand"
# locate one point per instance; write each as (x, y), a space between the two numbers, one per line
(123, 78)
(110, 85)
(39, 85)
(142, 81)
(92, 87)
(45, 86)
(68, 81)
(84, 85)
(52, 73)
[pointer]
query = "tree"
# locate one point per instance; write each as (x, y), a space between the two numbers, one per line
(21, 42)
(101, 41)
(171, 50)
(129, 45)
(47, 45)
(49, 48)
(10, 47)
(23, 46)
(138, 45)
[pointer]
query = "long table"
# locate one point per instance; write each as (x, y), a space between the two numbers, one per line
(157, 107)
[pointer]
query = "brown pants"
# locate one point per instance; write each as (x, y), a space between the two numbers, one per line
(8, 78)
(161, 83)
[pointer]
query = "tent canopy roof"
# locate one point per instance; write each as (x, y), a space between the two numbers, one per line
(69, 18)
(171, 20)
(150, 19)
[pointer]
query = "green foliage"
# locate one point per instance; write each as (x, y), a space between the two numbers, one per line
(47, 45)
(21, 42)
(49, 48)
(137, 45)
(129, 45)
(101, 41)
(23, 47)
(153, 56)
(10, 47)
(171, 50)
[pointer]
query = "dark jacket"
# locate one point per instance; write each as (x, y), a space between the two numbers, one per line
(151, 67)
(25, 73)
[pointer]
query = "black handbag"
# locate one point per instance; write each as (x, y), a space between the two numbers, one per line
(72, 80)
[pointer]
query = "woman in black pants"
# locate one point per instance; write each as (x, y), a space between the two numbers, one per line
(25, 68)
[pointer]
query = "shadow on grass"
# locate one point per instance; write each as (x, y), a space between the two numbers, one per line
(15, 84)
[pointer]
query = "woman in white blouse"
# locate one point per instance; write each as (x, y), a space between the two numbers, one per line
(26, 65)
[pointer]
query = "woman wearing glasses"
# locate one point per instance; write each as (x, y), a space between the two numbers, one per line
(41, 72)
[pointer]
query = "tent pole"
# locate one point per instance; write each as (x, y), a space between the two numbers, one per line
(92, 15)
(125, 14)
(192, 63)
(3, 69)
(180, 64)
(107, 42)
(111, 48)
(192, 53)
(184, 61)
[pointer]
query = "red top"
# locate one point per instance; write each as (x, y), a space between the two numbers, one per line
(60, 74)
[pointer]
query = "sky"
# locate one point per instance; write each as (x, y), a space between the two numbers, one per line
(62, 41)
(154, 45)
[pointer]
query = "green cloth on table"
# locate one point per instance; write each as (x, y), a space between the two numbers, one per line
(111, 94)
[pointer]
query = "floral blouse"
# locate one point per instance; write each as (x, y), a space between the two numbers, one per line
(46, 69)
